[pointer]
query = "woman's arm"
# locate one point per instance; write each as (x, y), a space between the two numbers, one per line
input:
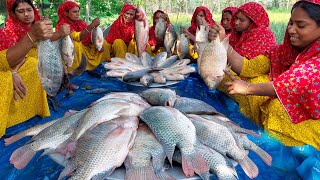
(40, 30)
(236, 86)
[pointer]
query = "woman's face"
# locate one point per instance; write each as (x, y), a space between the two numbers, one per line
(128, 16)
(24, 13)
(242, 22)
(302, 29)
(73, 14)
(226, 19)
(200, 15)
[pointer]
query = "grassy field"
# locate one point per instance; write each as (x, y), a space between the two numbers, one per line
(278, 21)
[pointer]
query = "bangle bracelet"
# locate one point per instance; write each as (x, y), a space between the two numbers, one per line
(247, 92)
(30, 38)
(14, 72)
(87, 30)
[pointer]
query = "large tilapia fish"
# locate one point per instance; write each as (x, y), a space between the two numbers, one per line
(102, 149)
(173, 129)
(97, 38)
(141, 31)
(146, 158)
(50, 66)
(170, 39)
(160, 29)
(67, 51)
(213, 62)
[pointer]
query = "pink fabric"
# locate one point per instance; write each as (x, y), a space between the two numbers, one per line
(75, 26)
(121, 30)
(258, 38)
(296, 78)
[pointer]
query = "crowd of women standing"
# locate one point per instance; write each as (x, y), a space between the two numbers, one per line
(275, 85)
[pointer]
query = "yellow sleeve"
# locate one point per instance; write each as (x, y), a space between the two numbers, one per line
(4, 65)
(75, 36)
(255, 67)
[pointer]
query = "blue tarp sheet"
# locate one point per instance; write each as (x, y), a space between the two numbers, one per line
(289, 163)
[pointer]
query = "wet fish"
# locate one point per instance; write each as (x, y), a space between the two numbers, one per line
(213, 62)
(136, 75)
(182, 45)
(201, 40)
(146, 158)
(146, 80)
(182, 62)
(128, 63)
(97, 38)
(117, 72)
(217, 163)
(146, 60)
(141, 31)
(102, 149)
(160, 29)
(170, 39)
(159, 59)
(168, 62)
(50, 67)
(173, 129)
(193, 106)
(133, 58)
(159, 78)
(67, 50)
(159, 97)
(49, 139)
(223, 141)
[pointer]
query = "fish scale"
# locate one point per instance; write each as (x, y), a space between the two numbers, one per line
(173, 129)
(50, 66)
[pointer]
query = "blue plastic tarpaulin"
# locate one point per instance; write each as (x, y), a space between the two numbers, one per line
(301, 162)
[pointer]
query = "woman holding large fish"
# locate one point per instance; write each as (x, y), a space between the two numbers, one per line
(69, 13)
(292, 111)
(120, 36)
(157, 31)
(202, 12)
(250, 37)
(22, 96)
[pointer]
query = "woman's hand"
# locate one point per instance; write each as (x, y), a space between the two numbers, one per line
(95, 23)
(215, 31)
(236, 86)
(41, 30)
(19, 87)
(64, 30)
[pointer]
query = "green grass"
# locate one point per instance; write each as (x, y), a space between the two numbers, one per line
(2, 20)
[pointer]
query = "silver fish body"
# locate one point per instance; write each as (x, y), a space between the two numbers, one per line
(159, 97)
(182, 46)
(193, 106)
(160, 29)
(97, 38)
(170, 39)
(67, 50)
(141, 31)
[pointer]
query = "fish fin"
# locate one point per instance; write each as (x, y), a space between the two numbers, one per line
(22, 156)
(14, 138)
(225, 42)
(169, 150)
(103, 175)
(249, 167)
(250, 132)
(143, 173)
(194, 162)
(164, 175)
(47, 152)
(68, 170)
(260, 152)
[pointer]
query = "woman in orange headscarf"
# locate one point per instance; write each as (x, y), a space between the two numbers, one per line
(291, 112)
(226, 17)
(22, 96)
(250, 37)
(68, 13)
(157, 45)
(120, 36)
(199, 12)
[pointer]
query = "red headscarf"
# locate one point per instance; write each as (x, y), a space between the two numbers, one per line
(193, 28)
(258, 38)
(15, 29)
(296, 78)
(75, 26)
(121, 30)
(232, 10)
(152, 36)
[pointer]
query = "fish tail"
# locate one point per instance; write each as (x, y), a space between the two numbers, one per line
(14, 138)
(194, 162)
(144, 173)
(249, 167)
(22, 156)
(164, 175)
(263, 155)
(67, 171)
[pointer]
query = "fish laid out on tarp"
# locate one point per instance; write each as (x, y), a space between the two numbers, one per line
(50, 66)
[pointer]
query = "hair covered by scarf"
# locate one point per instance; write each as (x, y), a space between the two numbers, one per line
(208, 16)
(258, 37)
(296, 77)
(121, 30)
(75, 26)
(15, 29)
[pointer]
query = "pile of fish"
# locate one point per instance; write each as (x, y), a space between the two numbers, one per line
(143, 131)
(148, 70)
